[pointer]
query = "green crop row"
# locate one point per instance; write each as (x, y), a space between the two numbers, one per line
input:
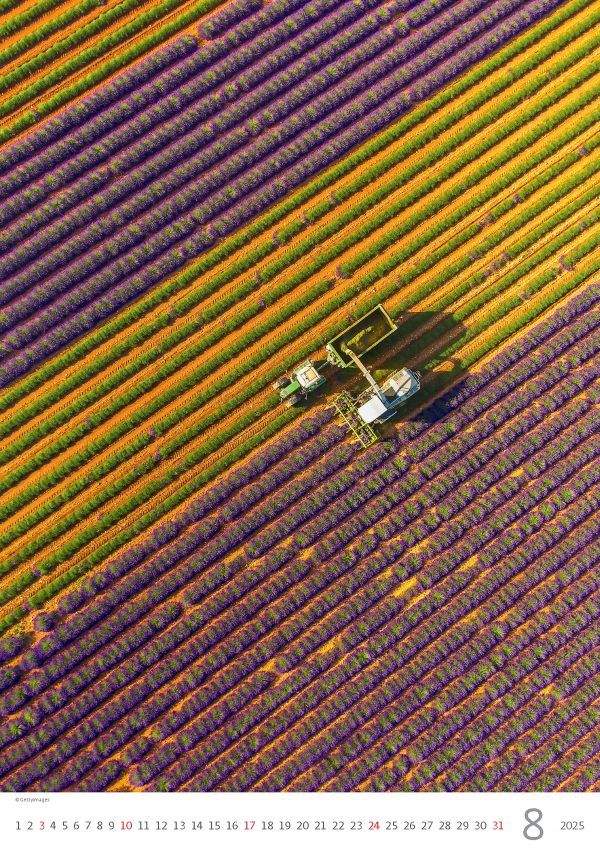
(440, 382)
(200, 373)
(45, 30)
(311, 321)
(453, 270)
(541, 255)
(543, 279)
(205, 370)
(529, 314)
(274, 347)
(23, 19)
(45, 57)
(108, 384)
(484, 296)
(438, 255)
(107, 465)
(194, 458)
(97, 51)
(77, 460)
(121, 539)
(269, 220)
(412, 146)
(505, 129)
(450, 272)
(471, 206)
(8, 5)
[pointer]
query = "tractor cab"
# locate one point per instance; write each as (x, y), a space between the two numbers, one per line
(301, 381)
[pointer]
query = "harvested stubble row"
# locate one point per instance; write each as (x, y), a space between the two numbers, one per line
(550, 146)
(526, 389)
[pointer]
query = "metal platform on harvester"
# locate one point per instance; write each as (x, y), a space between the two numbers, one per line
(348, 411)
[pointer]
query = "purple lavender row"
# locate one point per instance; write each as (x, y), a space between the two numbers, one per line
(444, 671)
(565, 773)
(330, 677)
(372, 514)
(199, 508)
(431, 468)
(213, 691)
(492, 551)
(72, 713)
(531, 740)
(178, 174)
(63, 661)
(19, 283)
(519, 568)
(132, 669)
(140, 695)
(450, 534)
(139, 74)
(572, 748)
(231, 13)
(214, 528)
(287, 663)
(354, 570)
(370, 621)
(219, 712)
(429, 747)
(184, 94)
(566, 750)
(570, 665)
(231, 497)
(550, 595)
(532, 339)
(114, 738)
(211, 776)
(99, 638)
(325, 742)
(90, 105)
(241, 503)
(169, 262)
(173, 160)
(586, 776)
(521, 701)
(354, 764)
(98, 780)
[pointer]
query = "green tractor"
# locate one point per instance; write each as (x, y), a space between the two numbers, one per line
(302, 381)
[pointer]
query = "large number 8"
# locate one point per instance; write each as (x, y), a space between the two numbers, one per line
(533, 822)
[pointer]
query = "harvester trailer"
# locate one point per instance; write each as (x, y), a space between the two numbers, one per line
(375, 404)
